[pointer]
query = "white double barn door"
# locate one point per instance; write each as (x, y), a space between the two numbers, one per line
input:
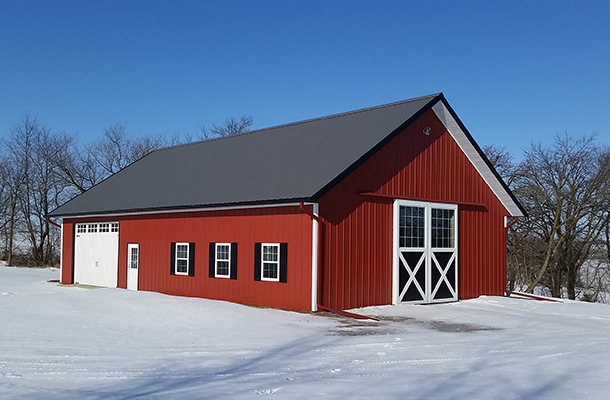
(425, 252)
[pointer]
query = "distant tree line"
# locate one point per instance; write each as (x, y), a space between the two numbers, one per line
(41, 169)
(562, 248)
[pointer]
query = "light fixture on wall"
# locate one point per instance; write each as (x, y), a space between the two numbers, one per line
(427, 131)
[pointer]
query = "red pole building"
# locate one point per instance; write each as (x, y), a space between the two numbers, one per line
(384, 205)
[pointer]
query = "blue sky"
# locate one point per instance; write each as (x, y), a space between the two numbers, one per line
(514, 71)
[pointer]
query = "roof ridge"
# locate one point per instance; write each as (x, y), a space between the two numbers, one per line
(345, 113)
(305, 121)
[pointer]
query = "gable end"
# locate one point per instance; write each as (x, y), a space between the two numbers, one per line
(477, 158)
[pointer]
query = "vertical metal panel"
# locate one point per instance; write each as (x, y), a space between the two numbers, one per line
(66, 252)
(154, 233)
(358, 229)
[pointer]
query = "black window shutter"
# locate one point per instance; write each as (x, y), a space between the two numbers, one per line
(283, 261)
(172, 262)
(233, 260)
(191, 259)
(257, 261)
(212, 271)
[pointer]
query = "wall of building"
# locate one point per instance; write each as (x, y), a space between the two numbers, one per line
(358, 247)
(67, 249)
(156, 232)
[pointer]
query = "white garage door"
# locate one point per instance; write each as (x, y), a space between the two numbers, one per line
(96, 254)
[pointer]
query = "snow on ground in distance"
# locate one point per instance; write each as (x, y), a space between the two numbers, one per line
(63, 342)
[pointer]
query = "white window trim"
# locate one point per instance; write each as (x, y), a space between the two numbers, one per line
(277, 263)
(181, 258)
(216, 274)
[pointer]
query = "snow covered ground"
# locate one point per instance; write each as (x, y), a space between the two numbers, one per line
(59, 342)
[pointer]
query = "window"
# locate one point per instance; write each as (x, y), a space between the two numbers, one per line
(412, 226)
(223, 260)
(270, 262)
(182, 259)
(443, 228)
(103, 227)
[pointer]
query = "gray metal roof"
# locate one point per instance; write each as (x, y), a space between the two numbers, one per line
(293, 162)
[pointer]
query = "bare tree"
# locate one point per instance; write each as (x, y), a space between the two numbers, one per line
(230, 127)
(503, 163)
(11, 188)
(34, 189)
(563, 188)
(110, 153)
(75, 165)
(115, 151)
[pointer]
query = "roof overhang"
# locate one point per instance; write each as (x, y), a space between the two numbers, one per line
(460, 134)
(182, 210)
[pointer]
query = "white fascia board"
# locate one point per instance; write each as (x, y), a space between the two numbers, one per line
(475, 159)
(187, 210)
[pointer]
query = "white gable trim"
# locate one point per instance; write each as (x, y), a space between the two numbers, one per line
(452, 126)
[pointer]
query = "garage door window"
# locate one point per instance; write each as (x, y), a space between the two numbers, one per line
(104, 227)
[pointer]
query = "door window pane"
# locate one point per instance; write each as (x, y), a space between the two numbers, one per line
(134, 257)
(411, 226)
(443, 228)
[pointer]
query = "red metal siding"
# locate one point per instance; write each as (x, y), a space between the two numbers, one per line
(245, 227)
(66, 252)
(357, 266)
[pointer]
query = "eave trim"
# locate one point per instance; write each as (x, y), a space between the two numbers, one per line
(187, 210)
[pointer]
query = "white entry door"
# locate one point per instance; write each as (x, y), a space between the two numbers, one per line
(133, 265)
(425, 252)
